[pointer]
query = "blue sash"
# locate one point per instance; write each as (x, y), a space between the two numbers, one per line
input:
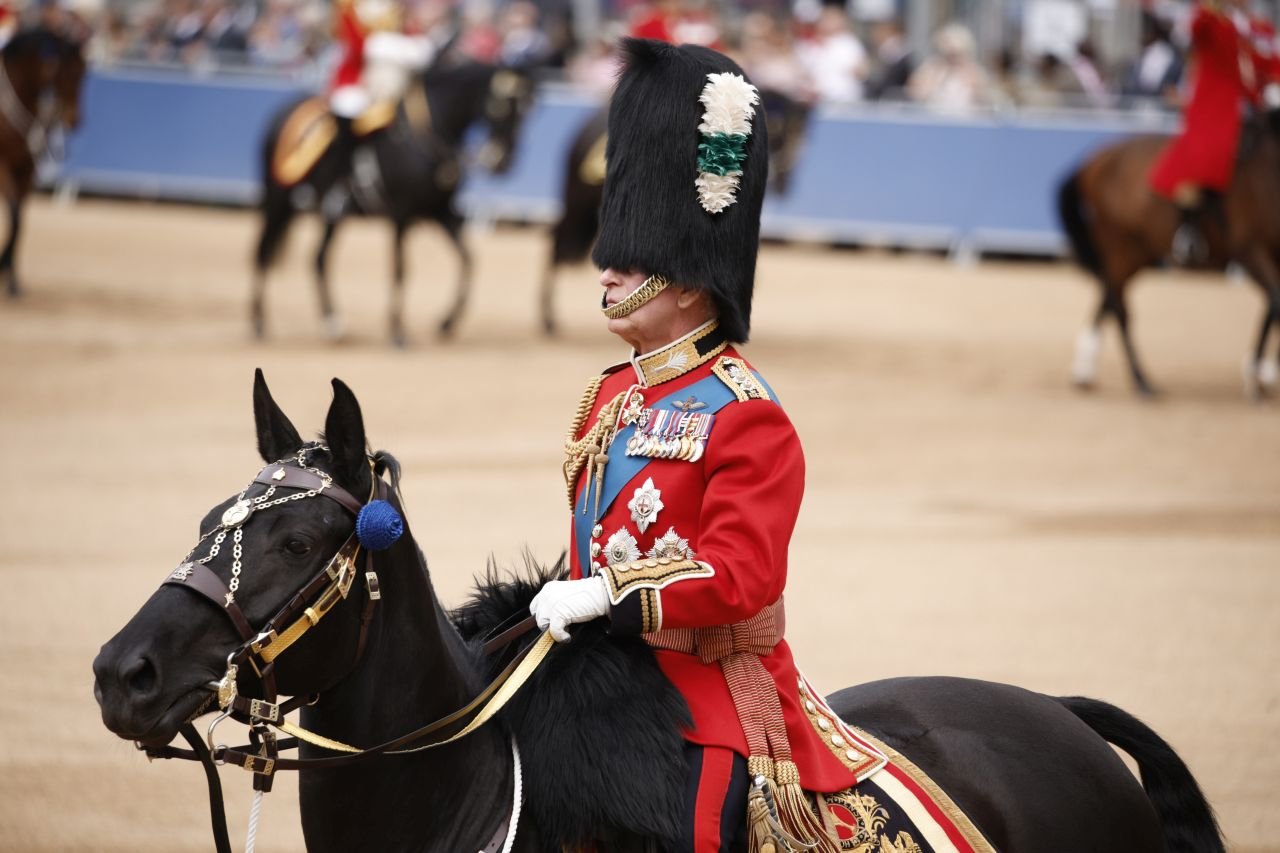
(622, 468)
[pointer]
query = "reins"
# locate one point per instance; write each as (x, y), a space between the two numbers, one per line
(304, 610)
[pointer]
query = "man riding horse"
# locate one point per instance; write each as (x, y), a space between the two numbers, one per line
(1233, 63)
(685, 475)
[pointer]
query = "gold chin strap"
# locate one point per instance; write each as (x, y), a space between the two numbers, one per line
(652, 286)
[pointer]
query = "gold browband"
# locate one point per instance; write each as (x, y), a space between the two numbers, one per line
(652, 286)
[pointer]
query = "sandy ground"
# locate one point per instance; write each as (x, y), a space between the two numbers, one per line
(967, 511)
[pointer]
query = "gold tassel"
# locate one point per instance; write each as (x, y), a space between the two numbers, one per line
(794, 813)
(760, 834)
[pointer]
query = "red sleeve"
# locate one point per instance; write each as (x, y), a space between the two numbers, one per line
(755, 482)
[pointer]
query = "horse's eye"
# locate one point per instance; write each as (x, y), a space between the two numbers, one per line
(297, 546)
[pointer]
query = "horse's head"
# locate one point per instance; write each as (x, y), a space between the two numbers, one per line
(507, 102)
(259, 583)
(53, 67)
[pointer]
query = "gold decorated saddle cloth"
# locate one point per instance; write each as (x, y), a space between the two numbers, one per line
(896, 809)
(311, 127)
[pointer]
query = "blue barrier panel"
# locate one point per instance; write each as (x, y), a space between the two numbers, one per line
(879, 174)
(160, 134)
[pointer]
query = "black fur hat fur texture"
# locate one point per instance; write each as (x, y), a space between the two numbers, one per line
(651, 218)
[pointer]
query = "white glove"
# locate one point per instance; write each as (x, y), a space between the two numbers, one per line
(563, 603)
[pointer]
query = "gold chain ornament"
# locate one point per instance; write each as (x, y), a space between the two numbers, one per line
(652, 286)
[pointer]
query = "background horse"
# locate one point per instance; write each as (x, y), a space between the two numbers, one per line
(575, 230)
(40, 76)
(1118, 226)
(407, 171)
(1034, 773)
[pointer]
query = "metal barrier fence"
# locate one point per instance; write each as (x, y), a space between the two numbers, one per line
(881, 174)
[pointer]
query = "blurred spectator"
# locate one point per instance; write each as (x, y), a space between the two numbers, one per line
(768, 55)
(1158, 68)
(1052, 84)
(677, 22)
(479, 38)
(951, 79)
(835, 58)
(893, 62)
(656, 20)
(1088, 79)
(596, 67)
(523, 43)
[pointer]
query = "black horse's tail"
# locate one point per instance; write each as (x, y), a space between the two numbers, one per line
(1071, 214)
(1185, 815)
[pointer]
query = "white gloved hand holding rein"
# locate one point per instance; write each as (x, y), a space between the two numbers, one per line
(560, 604)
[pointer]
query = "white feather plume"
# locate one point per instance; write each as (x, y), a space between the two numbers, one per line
(730, 101)
(716, 192)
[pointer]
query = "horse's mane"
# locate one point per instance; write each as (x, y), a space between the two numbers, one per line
(598, 725)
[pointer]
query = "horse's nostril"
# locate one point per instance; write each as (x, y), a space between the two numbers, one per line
(140, 676)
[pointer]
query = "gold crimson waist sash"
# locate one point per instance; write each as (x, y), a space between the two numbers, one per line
(738, 649)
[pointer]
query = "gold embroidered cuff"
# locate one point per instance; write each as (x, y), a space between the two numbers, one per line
(651, 574)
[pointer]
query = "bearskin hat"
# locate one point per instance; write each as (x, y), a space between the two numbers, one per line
(687, 163)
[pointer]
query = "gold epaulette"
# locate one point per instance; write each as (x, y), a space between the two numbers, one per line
(741, 381)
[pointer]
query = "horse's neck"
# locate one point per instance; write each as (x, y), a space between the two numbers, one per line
(23, 77)
(415, 669)
(455, 109)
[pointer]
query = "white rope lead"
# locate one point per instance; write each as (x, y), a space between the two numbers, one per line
(254, 812)
(517, 799)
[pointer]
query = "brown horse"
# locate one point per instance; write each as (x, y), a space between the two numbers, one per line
(40, 76)
(1118, 226)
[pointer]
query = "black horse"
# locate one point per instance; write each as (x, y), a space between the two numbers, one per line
(598, 725)
(40, 76)
(407, 171)
(575, 230)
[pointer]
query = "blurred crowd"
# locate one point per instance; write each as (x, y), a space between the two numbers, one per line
(809, 50)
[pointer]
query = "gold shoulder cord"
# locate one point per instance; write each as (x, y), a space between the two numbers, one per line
(590, 448)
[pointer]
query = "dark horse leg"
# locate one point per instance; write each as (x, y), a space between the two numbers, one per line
(1113, 304)
(333, 326)
(546, 300)
(400, 226)
(1260, 375)
(7, 266)
(277, 214)
(1120, 310)
(453, 227)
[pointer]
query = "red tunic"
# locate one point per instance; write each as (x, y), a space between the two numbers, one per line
(725, 514)
(1204, 153)
(348, 30)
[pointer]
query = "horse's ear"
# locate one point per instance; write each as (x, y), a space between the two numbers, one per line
(277, 437)
(344, 433)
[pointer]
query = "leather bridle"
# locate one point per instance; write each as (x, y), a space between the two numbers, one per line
(260, 649)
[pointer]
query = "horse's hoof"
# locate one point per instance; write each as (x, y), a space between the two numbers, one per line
(549, 328)
(1084, 386)
(1146, 392)
(399, 341)
(446, 329)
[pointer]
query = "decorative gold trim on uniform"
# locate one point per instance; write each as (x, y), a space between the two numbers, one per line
(651, 574)
(961, 820)
(593, 447)
(650, 611)
(741, 381)
(648, 289)
(678, 357)
(831, 731)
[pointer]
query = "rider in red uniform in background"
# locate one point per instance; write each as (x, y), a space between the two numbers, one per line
(1202, 158)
